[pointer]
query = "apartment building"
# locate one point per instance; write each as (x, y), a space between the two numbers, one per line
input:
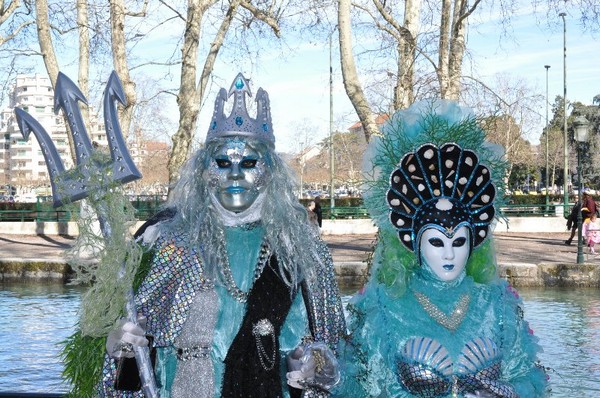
(22, 163)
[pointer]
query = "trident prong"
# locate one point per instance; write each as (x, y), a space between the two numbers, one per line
(124, 170)
(66, 96)
(75, 184)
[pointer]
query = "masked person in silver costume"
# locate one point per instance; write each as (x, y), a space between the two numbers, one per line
(236, 279)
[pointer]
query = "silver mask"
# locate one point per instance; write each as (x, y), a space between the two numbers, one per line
(237, 174)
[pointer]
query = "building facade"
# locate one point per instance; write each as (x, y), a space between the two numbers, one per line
(22, 163)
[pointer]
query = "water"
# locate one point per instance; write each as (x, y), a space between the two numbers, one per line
(35, 318)
(567, 322)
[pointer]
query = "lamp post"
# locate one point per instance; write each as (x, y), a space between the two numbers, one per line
(580, 124)
(565, 141)
(547, 133)
(331, 153)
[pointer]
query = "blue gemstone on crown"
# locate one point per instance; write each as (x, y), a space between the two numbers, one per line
(213, 125)
(239, 120)
(265, 127)
(239, 83)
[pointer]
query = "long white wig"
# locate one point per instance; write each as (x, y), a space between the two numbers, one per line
(287, 231)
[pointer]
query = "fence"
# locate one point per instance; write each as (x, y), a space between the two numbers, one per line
(146, 207)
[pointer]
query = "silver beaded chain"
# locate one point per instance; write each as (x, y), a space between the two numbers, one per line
(228, 280)
(260, 329)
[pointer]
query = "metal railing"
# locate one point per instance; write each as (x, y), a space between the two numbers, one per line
(146, 209)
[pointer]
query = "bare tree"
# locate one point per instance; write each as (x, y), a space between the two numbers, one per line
(351, 81)
(193, 87)
(411, 47)
(118, 13)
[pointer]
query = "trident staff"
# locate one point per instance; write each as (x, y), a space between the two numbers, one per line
(91, 178)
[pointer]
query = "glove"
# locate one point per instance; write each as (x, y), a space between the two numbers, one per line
(313, 365)
(127, 335)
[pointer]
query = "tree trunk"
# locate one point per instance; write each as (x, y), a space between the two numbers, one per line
(453, 24)
(190, 94)
(457, 50)
(84, 56)
(117, 20)
(49, 56)
(444, 47)
(407, 50)
(349, 73)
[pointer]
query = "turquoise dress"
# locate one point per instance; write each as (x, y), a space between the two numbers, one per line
(400, 348)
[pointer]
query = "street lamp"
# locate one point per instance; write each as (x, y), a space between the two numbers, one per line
(331, 153)
(565, 141)
(581, 126)
(547, 132)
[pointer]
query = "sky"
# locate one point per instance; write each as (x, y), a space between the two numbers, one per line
(299, 85)
(298, 80)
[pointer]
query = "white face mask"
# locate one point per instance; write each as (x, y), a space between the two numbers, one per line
(237, 175)
(446, 257)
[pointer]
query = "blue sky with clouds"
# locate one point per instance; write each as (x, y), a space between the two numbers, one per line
(298, 79)
(299, 85)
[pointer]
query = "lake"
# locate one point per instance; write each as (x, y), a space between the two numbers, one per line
(35, 318)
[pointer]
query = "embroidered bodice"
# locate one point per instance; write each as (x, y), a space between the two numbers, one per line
(427, 370)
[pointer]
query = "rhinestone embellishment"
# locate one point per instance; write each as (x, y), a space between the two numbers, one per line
(264, 328)
(451, 321)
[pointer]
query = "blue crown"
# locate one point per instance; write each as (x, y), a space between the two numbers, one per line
(239, 123)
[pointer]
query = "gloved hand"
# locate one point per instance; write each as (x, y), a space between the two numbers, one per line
(127, 335)
(313, 365)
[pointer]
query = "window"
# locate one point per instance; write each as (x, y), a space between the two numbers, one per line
(24, 89)
(40, 109)
(21, 152)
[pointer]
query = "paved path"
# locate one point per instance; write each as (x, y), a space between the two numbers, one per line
(511, 248)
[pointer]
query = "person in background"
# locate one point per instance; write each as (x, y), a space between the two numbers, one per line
(319, 211)
(312, 216)
(572, 222)
(589, 205)
(591, 232)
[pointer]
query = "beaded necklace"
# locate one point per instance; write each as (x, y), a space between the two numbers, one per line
(228, 280)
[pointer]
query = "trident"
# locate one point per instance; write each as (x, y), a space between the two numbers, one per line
(73, 185)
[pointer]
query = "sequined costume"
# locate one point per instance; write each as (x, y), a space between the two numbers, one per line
(414, 330)
(177, 298)
(237, 277)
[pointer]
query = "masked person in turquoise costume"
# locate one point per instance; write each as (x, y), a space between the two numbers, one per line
(435, 320)
(237, 278)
